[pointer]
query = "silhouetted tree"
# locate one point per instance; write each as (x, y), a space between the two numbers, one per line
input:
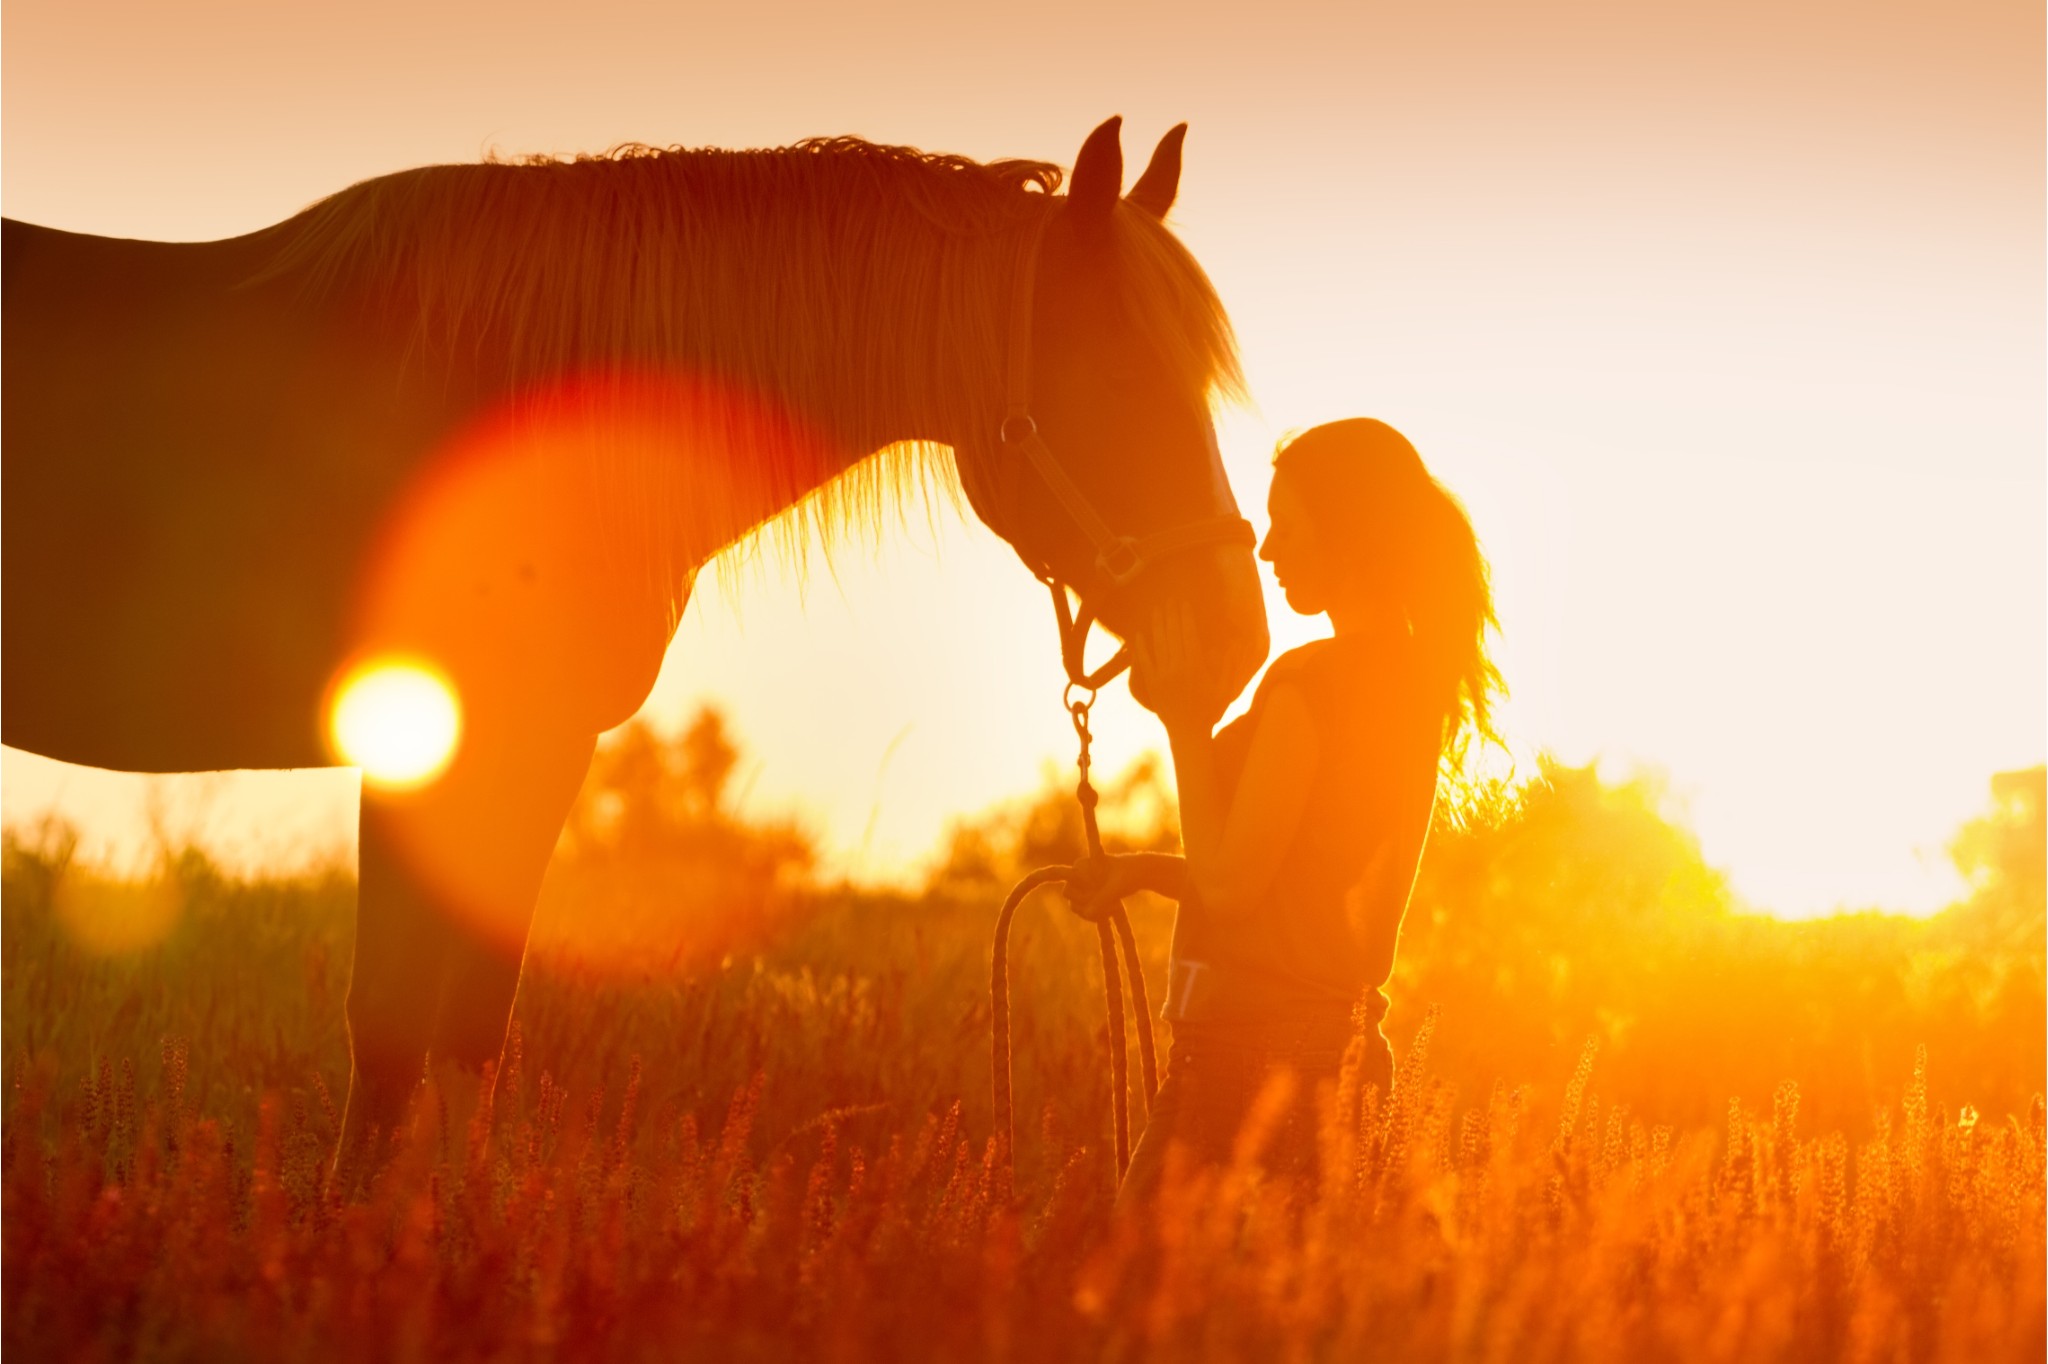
(655, 868)
(983, 855)
(2004, 856)
(1572, 907)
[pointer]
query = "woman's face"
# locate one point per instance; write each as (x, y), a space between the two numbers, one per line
(1303, 565)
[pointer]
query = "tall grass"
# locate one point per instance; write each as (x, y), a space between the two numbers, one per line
(784, 1152)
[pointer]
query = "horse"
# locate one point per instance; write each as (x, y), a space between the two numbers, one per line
(494, 418)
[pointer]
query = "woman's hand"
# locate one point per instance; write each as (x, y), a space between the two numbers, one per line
(1165, 674)
(1096, 884)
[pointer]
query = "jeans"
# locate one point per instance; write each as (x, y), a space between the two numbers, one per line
(1216, 1073)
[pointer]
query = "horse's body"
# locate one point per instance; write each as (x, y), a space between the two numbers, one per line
(497, 416)
(193, 473)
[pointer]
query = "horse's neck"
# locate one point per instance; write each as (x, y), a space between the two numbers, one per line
(661, 470)
(770, 387)
(340, 403)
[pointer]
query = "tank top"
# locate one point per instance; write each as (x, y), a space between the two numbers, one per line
(1323, 933)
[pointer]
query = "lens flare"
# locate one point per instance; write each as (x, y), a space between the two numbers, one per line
(398, 720)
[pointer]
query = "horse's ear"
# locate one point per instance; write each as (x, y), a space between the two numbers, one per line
(1098, 175)
(1161, 181)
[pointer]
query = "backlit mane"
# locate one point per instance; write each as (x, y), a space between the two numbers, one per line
(863, 289)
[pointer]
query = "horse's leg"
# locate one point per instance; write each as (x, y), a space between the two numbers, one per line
(402, 941)
(480, 985)
(447, 886)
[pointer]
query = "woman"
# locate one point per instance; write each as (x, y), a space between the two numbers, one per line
(1303, 820)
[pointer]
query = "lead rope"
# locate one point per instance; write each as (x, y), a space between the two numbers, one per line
(1118, 560)
(1078, 700)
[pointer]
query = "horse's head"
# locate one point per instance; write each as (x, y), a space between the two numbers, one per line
(1126, 344)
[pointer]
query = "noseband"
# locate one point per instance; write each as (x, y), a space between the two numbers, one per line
(1119, 559)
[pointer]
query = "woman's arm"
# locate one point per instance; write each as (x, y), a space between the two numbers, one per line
(1098, 882)
(1236, 841)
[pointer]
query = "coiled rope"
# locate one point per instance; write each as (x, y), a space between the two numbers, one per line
(1112, 929)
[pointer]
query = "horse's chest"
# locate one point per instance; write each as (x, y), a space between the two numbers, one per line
(523, 586)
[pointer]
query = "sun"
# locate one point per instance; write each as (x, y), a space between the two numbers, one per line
(396, 719)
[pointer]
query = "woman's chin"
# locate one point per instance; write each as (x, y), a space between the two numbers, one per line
(1302, 603)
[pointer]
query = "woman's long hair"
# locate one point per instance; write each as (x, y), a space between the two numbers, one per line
(1372, 501)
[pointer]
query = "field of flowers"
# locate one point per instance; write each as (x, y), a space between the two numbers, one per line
(783, 1150)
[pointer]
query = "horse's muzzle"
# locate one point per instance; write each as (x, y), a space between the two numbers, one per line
(1221, 583)
(1233, 637)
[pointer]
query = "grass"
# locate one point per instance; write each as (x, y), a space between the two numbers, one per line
(784, 1152)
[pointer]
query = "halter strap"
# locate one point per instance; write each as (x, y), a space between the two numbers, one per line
(1119, 558)
(1019, 430)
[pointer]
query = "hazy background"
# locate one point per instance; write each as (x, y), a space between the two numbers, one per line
(1725, 321)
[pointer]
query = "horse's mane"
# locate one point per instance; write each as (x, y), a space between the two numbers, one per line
(865, 287)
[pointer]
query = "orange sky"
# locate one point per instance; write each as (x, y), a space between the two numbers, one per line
(1727, 323)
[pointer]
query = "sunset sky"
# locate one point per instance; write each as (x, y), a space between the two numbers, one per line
(1726, 322)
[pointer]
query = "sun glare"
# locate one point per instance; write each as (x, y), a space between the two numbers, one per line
(398, 720)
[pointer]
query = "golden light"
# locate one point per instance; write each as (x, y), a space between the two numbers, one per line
(110, 916)
(398, 720)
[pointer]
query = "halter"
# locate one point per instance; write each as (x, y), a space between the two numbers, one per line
(1119, 559)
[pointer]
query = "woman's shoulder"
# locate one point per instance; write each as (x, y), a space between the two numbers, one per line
(1322, 662)
(1343, 672)
(1294, 670)
(1303, 663)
